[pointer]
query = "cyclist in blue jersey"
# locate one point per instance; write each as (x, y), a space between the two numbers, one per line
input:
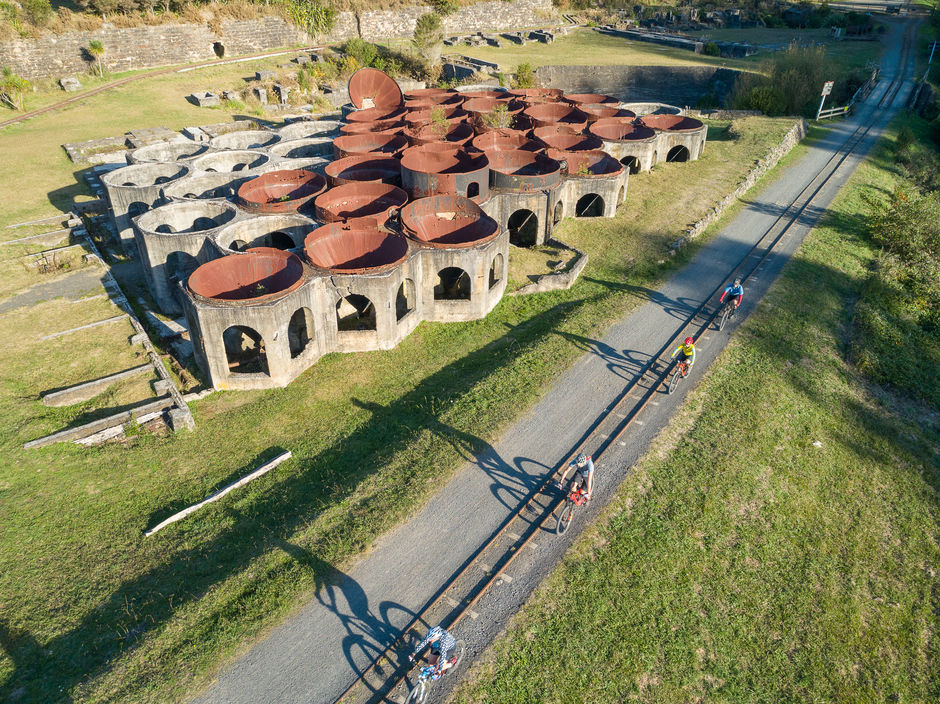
(735, 293)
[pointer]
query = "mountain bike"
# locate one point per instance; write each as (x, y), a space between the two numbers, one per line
(682, 370)
(575, 498)
(727, 312)
(429, 674)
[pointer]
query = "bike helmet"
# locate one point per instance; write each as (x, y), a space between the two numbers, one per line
(737, 282)
(689, 340)
(580, 459)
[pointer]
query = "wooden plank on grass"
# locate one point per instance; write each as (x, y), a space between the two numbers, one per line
(263, 469)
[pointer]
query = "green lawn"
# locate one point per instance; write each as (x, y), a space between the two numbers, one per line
(778, 543)
(587, 47)
(92, 610)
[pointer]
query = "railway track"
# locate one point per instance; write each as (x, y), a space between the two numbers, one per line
(386, 679)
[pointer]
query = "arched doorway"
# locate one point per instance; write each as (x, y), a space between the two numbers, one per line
(678, 153)
(299, 331)
(244, 351)
(590, 205)
(453, 284)
(238, 245)
(218, 49)
(405, 300)
(355, 312)
(496, 270)
(473, 190)
(280, 240)
(631, 163)
(523, 228)
(558, 213)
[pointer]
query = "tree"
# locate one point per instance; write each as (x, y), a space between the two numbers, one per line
(12, 88)
(97, 51)
(428, 36)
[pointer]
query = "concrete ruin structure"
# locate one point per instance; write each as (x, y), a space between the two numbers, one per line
(282, 245)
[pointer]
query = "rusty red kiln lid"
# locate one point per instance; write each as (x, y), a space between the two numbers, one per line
(371, 88)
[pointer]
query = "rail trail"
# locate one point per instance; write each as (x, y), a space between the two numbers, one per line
(387, 678)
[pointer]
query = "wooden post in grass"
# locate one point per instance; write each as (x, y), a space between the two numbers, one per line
(263, 469)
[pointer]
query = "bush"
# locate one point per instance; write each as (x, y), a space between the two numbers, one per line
(445, 7)
(37, 11)
(711, 49)
(525, 76)
(362, 51)
(428, 31)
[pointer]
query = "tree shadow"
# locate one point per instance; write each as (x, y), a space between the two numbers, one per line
(190, 568)
(679, 308)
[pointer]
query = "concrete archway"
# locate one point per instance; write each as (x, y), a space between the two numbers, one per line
(355, 312)
(523, 228)
(453, 284)
(590, 205)
(245, 351)
(299, 331)
(678, 153)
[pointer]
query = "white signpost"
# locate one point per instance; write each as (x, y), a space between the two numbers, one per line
(826, 90)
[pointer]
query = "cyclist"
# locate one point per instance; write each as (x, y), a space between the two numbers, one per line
(583, 467)
(686, 351)
(442, 647)
(735, 294)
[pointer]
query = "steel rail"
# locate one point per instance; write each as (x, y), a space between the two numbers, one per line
(823, 176)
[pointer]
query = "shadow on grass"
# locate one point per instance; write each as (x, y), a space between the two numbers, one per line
(281, 506)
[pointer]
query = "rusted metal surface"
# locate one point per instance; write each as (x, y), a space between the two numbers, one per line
(458, 134)
(598, 112)
(587, 164)
(538, 94)
(572, 142)
(280, 191)
(591, 99)
(523, 171)
(422, 93)
(364, 168)
(447, 222)
(371, 88)
(357, 247)
(499, 94)
(503, 140)
(368, 143)
(616, 129)
(259, 275)
(556, 113)
(439, 169)
(360, 200)
(452, 100)
(424, 117)
(479, 108)
(393, 126)
(672, 123)
(550, 130)
(374, 114)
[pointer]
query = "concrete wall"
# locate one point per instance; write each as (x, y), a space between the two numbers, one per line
(676, 85)
(146, 46)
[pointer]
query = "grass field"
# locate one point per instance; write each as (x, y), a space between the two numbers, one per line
(90, 610)
(778, 543)
(590, 48)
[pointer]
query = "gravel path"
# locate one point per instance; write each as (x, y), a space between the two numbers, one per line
(315, 655)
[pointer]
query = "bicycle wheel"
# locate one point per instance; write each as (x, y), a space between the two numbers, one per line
(418, 693)
(725, 312)
(674, 382)
(460, 649)
(564, 518)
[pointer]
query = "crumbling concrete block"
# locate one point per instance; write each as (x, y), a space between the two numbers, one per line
(261, 94)
(205, 100)
(264, 75)
(70, 84)
(180, 419)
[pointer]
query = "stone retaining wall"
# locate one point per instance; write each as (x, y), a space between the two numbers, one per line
(790, 140)
(676, 85)
(148, 46)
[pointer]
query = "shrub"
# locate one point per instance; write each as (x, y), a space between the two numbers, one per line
(711, 49)
(364, 52)
(525, 76)
(445, 7)
(37, 11)
(428, 31)
(12, 88)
